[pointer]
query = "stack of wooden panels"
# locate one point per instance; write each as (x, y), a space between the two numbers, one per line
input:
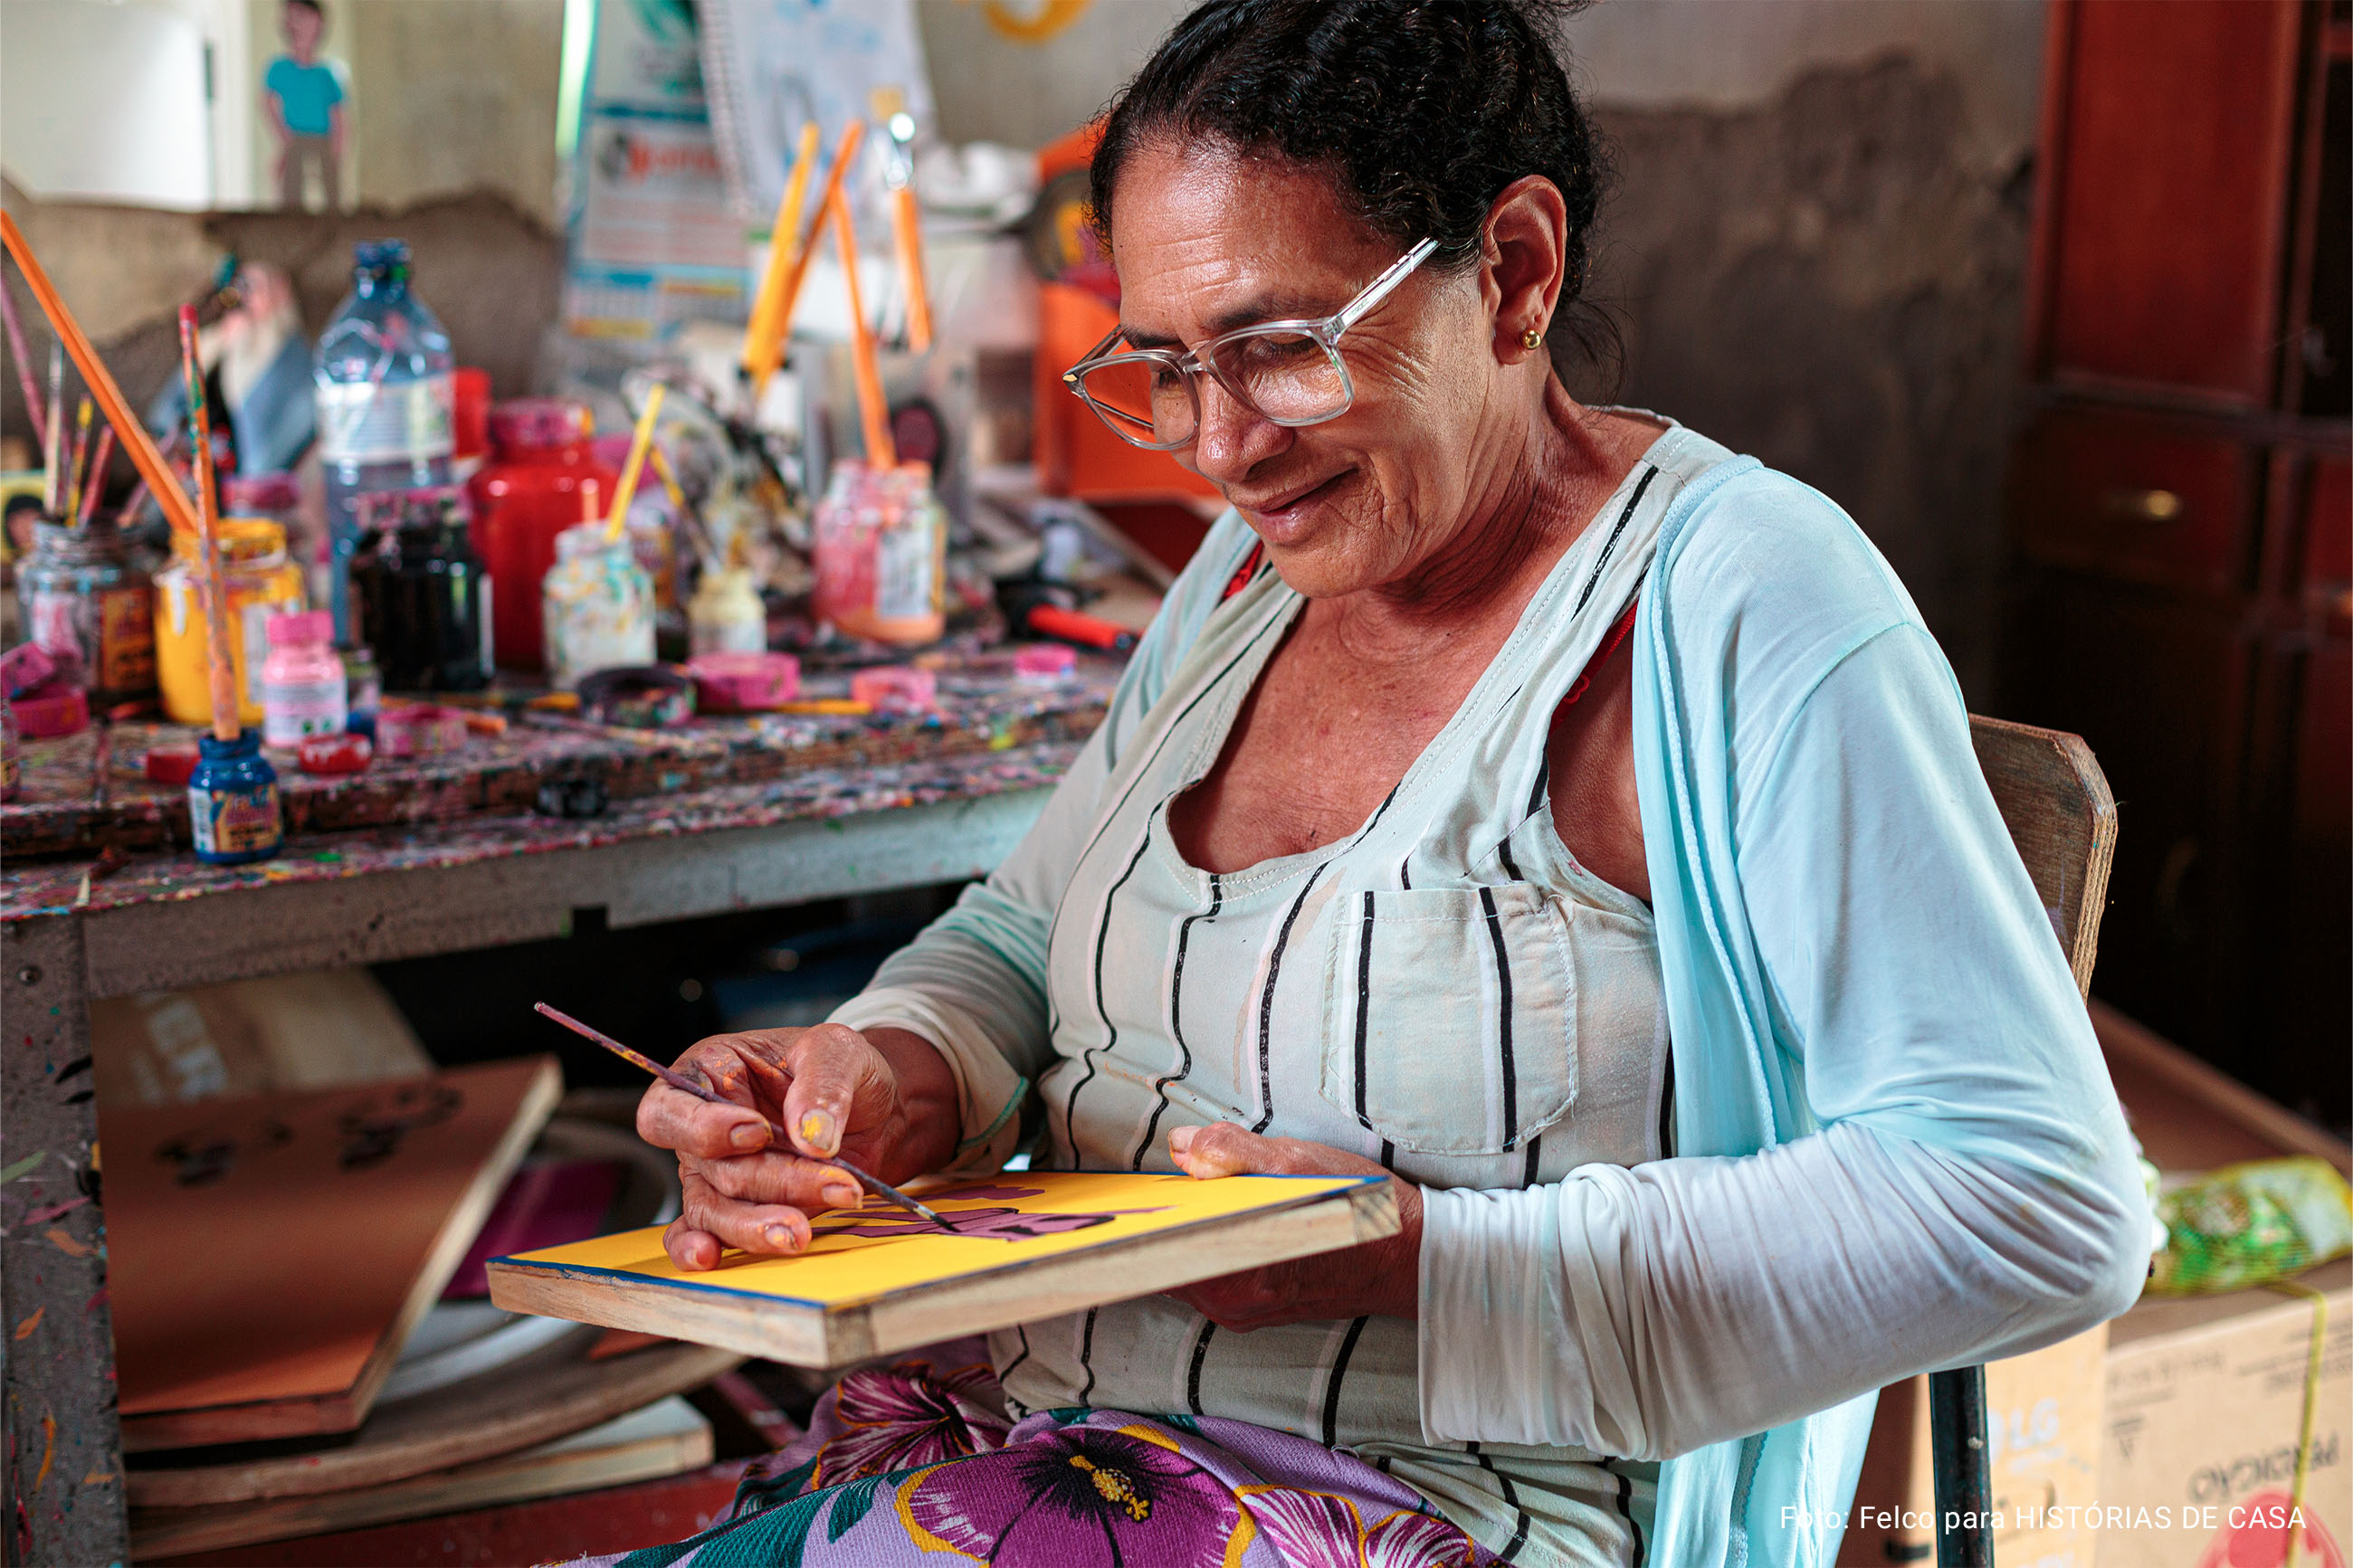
(273, 1255)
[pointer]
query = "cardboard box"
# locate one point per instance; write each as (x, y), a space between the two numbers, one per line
(2043, 1417)
(2054, 1415)
(2206, 1400)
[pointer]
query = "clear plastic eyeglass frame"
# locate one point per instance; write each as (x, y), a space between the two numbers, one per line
(1273, 354)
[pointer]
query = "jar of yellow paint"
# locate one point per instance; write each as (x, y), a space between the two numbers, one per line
(261, 582)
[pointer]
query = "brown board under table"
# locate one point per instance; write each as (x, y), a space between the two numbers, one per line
(735, 815)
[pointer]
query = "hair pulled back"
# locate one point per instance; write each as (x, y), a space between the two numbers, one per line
(1421, 112)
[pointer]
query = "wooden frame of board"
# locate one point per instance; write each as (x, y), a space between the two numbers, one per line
(1028, 1283)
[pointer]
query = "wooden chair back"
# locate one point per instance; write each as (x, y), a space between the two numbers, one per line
(2056, 802)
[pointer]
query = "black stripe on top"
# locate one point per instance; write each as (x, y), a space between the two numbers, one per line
(1193, 1377)
(1667, 1109)
(1528, 1173)
(1266, 1007)
(1511, 1552)
(1003, 1376)
(1093, 1054)
(1625, 513)
(1331, 1384)
(1502, 1017)
(1176, 1022)
(1086, 1355)
(1626, 1511)
(1511, 867)
(1364, 1004)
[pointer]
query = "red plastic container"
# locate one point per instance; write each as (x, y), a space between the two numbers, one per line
(529, 492)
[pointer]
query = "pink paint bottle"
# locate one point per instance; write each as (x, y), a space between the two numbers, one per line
(303, 689)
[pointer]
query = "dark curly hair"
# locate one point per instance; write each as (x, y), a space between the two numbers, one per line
(1421, 111)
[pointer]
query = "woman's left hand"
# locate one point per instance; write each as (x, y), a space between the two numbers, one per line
(1382, 1276)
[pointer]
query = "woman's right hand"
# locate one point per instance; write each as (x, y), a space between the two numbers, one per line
(884, 1102)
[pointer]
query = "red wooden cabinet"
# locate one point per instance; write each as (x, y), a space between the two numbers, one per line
(2181, 512)
(2169, 126)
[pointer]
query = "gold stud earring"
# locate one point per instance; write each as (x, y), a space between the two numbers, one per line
(1531, 339)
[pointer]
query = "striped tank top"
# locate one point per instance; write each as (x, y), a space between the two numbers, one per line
(1446, 990)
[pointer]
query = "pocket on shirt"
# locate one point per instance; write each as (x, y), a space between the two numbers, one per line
(1450, 1017)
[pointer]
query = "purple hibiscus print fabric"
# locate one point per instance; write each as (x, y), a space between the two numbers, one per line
(1077, 1496)
(913, 1466)
(906, 1415)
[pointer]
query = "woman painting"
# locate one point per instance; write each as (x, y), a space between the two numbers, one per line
(1535, 802)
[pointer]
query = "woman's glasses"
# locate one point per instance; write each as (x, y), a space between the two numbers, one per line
(1287, 373)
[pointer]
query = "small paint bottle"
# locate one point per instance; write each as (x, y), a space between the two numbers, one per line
(302, 690)
(233, 802)
(725, 614)
(362, 690)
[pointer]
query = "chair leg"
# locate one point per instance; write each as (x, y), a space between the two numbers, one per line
(1964, 1472)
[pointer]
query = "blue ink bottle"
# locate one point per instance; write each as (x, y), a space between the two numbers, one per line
(233, 802)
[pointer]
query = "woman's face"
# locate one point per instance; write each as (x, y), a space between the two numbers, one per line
(1205, 241)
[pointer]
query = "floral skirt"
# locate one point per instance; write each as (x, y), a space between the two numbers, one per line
(905, 1462)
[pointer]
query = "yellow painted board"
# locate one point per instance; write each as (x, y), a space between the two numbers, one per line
(873, 1281)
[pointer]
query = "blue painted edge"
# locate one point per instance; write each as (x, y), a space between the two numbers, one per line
(577, 1269)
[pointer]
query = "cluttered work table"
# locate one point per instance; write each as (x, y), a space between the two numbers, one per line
(101, 899)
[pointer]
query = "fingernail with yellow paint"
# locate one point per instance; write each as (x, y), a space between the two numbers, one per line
(818, 1132)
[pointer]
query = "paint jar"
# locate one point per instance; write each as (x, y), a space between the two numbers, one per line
(303, 689)
(362, 690)
(82, 597)
(278, 498)
(726, 614)
(596, 606)
(233, 802)
(260, 582)
(881, 551)
(544, 477)
(420, 596)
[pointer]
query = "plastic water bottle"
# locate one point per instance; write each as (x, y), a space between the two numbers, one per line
(387, 395)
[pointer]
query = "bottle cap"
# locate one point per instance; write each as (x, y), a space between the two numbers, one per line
(302, 629)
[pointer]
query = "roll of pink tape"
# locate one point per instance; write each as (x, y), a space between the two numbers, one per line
(52, 709)
(895, 687)
(744, 683)
(1044, 661)
(419, 730)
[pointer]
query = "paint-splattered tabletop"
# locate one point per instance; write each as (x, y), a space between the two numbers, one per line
(990, 733)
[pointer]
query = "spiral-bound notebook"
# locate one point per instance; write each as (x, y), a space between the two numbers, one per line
(1027, 1245)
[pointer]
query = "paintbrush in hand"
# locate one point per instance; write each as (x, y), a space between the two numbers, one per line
(685, 1084)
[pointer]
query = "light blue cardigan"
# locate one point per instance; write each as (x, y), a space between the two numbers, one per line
(1762, 588)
